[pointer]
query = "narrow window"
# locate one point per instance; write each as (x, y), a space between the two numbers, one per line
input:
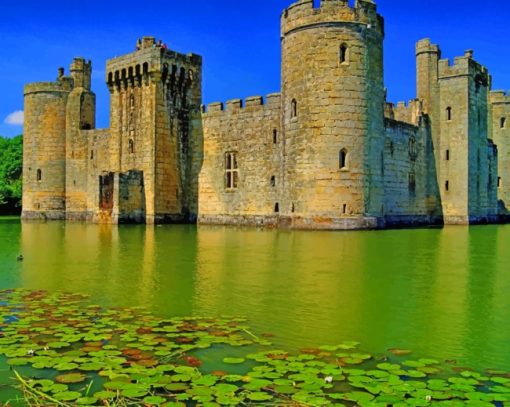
(413, 150)
(131, 146)
(231, 171)
(448, 113)
(39, 175)
(344, 209)
(412, 183)
(276, 207)
(273, 181)
(343, 159)
(293, 112)
(447, 186)
(344, 54)
(499, 182)
(447, 155)
(275, 136)
(502, 122)
(91, 154)
(293, 209)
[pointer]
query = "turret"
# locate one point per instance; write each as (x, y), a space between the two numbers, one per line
(333, 109)
(80, 117)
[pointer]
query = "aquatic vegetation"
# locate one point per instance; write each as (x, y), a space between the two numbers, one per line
(64, 352)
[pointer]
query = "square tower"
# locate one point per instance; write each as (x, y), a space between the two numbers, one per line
(154, 94)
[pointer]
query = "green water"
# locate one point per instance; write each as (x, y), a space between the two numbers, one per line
(443, 293)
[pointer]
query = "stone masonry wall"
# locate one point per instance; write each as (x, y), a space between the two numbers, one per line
(500, 123)
(249, 131)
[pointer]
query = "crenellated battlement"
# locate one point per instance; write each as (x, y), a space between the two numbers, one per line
(499, 97)
(303, 14)
(406, 112)
(250, 104)
(462, 66)
(150, 63)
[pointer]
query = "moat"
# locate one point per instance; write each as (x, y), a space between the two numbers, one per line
(442, 293)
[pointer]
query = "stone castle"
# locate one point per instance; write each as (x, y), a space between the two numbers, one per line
(328, 152)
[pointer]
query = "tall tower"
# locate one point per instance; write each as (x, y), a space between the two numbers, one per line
(154, 93)
(81, 116)
(333, 110)
(44, 148)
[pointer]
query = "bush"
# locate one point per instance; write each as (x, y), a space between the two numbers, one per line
(11, 167)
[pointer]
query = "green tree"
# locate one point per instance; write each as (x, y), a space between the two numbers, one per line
(11, 165)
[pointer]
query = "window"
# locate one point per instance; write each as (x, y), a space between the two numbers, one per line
(231, 171)
(412, 183)
(273, 181)
(293, 109)
(448, 113)
(447, 186)
(413, 150)
(343, 159)
(91, 154)
(275, 136)
(276, 207)
(502, 123)
(344, 209)
(39, 175)
(131, 146)
(344, 54)
(447, 155)
(293, 209)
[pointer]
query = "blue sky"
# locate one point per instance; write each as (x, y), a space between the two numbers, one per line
(239, 41)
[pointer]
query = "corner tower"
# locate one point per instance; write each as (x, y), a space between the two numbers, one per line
(44, 148)
(333, 114)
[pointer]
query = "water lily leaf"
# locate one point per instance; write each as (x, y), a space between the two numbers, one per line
(233, 361)
(86, 401)
(154, 400)
(70, 378)
(134, 392)
(260, 396)
(388, 366)
(67, 396)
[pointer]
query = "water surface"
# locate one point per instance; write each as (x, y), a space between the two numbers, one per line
(444, 293)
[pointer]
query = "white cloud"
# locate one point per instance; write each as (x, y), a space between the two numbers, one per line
(15, 118)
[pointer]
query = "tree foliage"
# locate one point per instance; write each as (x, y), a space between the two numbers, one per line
(11, 165)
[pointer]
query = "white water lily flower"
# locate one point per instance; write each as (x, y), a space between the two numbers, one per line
(329, 379)
(30, 352)
(428, 398)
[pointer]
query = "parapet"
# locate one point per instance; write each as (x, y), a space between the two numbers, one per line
(499, 97)
(250, 104)
(405, 112)
(304, 14)
(463, 65)
(424, 46)
(63, 84)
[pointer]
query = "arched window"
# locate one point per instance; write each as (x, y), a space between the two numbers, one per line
(413, 149)
(131, 146)
(343, 159)
(276, 207)
(293, 108)
(502, 122)
(448, 113)
(39, 175)
(344, 54)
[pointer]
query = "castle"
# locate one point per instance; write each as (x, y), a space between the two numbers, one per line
(328, 152)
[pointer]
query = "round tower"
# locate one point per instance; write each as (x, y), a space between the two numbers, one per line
(333, 114)
(44, 149)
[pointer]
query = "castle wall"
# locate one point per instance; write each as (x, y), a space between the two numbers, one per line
(500, 131)
(44, 150)
(99, 164)
(248, 132)
(410, 198)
